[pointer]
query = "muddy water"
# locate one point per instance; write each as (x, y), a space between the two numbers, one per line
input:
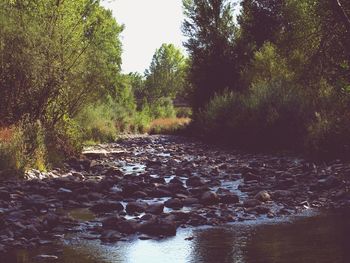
(307, 238)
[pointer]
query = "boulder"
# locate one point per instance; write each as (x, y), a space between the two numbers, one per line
(174, 203)
(209, 198)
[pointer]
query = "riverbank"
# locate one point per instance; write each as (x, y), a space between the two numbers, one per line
(150, 186)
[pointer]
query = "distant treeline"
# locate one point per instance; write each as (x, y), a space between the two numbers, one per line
(277, 77)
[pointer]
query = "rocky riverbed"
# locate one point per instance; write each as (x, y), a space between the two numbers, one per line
(149, 186)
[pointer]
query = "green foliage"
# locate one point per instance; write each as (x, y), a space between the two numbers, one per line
(166, 76)
(183, 112)
(209, 26)
(289, 68)
(61, 54)
(162, 108)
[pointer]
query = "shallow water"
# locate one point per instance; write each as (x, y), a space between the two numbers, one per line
(321, 238)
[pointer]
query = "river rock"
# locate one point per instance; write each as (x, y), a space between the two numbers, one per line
(329, 182)
(111, 222)
(155, 209)
(249, 176)
(194, 181)
(110, 236)
(46, 258)
(263, 196)
(174, 203)
(106, 207)
(158, 227)
(130, 188)
(190, 201)
(135, 207)
(251, 203)
(128, 227)
(282, 194)
(5, 195)
(229, 198)
(209, 198)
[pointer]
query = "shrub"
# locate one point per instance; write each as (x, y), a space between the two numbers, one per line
(24, 149)
(162, 108)
(184, 112)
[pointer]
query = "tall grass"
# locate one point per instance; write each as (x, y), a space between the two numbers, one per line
(22, 147)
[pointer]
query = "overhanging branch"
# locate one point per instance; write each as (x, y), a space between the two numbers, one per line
(344, 16)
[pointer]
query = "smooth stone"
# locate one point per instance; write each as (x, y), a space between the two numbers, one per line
(263, 196)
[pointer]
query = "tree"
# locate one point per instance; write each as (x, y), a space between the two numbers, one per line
(166, 76)
(60, 54)
(210, 29)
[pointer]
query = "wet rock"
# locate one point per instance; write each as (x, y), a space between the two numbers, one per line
(136, 207)
(209, 198)
(249, 176)
(42, 258)
(194, 181)
(329, 182)
(174, 203)
(35, 201)
(94, 196)
(30, 231)
(128, 227)
(285, 184)
(155, 209)
(130, 188)
(263, 196)
(5, 195)
(260, 209)
(158, 193)
(114, 172)
(342, 194)
(111, 222)
(158, 227)
(51, 220)
(176, 181)
(251, 203)
(145, 237)
(190, 201)
(140, 194)
(282, 194)
(229, 198)
(64, 191)
(106, 207)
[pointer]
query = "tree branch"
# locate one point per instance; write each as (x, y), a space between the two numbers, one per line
(344, 16)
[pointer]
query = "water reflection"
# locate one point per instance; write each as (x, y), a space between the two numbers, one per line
(323, 238)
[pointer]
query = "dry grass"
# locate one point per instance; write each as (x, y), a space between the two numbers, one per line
(168, 125)
(6, 134)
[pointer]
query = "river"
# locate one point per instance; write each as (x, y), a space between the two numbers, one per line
(305, 238)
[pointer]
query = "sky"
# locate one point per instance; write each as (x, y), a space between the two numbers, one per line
(148, 24)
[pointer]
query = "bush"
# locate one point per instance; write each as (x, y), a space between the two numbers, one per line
(183, 112)
(162, 108)
(24, 149)
(98, 123)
